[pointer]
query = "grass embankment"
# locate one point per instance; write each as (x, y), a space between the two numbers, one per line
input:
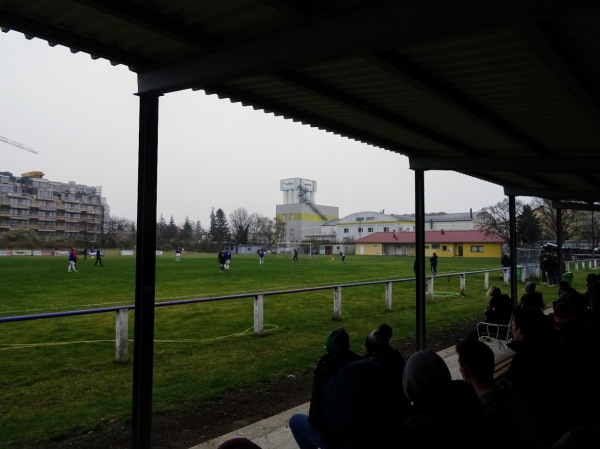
(59, 375)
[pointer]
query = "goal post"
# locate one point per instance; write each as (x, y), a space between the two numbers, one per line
(305, 250)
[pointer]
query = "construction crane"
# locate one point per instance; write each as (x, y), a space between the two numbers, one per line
(17, 144)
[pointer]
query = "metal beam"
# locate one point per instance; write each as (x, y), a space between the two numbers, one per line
(508, 164)
(555, 194)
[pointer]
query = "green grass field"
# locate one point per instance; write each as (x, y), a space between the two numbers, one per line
(60, 377)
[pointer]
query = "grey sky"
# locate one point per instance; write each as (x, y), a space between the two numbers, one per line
(81, 116)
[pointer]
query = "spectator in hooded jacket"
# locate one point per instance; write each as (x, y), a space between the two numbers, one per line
(532, 297)
(310, 431)
(364, 401)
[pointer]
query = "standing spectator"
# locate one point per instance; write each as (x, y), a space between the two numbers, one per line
(227, 258)
(433, 260)
(505, 262)
(295, 258)
(178, 253)
(343, 256)
(98, 257)
(221, 259)
(85, 253)
(310, 431)
(504, 410)
(552, 269)
(544, 268)
(261, 256)
(72, 260)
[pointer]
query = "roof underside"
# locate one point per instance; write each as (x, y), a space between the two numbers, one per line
(501, 90)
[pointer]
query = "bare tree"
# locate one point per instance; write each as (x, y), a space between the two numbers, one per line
(495, 220)
(240, 222)
(572, 220)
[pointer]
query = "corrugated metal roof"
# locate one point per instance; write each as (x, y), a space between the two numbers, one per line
(469, 236)
(502, 90)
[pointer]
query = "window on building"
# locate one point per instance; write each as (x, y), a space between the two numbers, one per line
(386, 229)
(346, 231)
(360, 229)
(476, 248)
(369, 229)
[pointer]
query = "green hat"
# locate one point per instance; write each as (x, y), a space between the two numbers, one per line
(337, 341)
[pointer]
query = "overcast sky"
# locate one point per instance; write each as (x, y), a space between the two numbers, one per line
(81, 116)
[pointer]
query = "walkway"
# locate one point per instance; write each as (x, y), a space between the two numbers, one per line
(273, 432)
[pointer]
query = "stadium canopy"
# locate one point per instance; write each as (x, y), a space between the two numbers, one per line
(505, 91)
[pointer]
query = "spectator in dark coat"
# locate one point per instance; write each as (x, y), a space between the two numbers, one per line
(445, 412)
(364, 401)
(532, 297)
(310, 431)
(509, 417)
(498, 311)
(536, 368)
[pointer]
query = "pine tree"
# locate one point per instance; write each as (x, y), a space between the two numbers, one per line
(219, 228)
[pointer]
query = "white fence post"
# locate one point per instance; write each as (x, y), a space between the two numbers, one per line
(259, 322)
(486, 280)
(388, 296)
(121, 336)
(337, 303)
(463, 283)
(430, 288)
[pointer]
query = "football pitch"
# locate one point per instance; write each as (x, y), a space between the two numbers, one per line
(60, 375)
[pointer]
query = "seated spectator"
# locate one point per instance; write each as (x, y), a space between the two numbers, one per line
(310, 430)
(446, 412)
(505, 411)
(363, 401)
(498, 311)
(535, 368)
(580, 355)
(532, 297)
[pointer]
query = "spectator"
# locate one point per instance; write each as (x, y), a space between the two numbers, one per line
(310, 431)
(505, 411)
(552, 269)
(543, 268)
(498, 311)
(433, 260)
(295, 258)
(445, 412)
(534, 370)
(532, 297)
(363, 401)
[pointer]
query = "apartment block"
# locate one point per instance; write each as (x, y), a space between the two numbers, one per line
(62, 211)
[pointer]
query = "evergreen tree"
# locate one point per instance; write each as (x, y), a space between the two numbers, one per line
(171, 229)
(528, 226)
(219, 228)
(187, 230)
(161, 230)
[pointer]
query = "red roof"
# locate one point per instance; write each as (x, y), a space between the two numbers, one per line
(470, 236)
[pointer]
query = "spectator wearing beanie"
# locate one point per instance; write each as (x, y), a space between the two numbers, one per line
(310, 431)
(364, 402)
